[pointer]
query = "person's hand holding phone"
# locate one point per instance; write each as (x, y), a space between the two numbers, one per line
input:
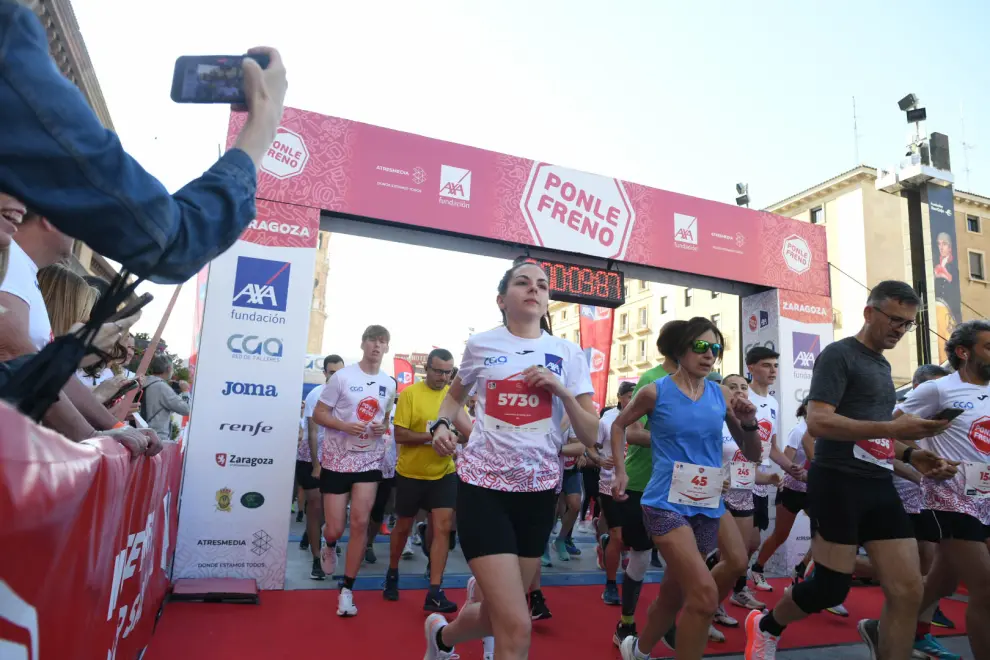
(109, 334)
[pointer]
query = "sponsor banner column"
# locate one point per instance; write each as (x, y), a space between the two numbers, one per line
(244, 425)
(945, 262)
(596, 340)
(404, 374)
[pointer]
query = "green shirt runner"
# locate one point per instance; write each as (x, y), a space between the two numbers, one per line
(639, 460)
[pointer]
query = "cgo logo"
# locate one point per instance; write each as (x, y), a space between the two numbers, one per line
(249, 389)
(251, 347)
(492, 361)
(963, 405)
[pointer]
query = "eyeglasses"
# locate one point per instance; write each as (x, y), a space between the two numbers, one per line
(897, 322)
(442, 372)
(700, 346)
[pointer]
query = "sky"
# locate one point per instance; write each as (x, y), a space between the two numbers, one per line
(691, 97)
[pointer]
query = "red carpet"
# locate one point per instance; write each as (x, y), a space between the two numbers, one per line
(286, 623)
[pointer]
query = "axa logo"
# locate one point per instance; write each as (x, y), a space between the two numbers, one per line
(261, 284)
(455, 183)
(554, 363)
(764, 319)
(685, 231)
(252, 347)
(249, 389)
(491, 361)
(807, 347)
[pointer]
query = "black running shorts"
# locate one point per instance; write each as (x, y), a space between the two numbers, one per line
(761, 512)
(926, 527)
(411, 495)
(339, 483)
(960, 526)
(634, 532)
(304, 475)
(794, 501)
(853, 510)
(496, 522)
(611, 509)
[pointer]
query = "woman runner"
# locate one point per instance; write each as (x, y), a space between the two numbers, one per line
(527, 380)
(682, 503)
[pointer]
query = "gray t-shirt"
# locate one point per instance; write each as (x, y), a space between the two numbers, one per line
(856, 380)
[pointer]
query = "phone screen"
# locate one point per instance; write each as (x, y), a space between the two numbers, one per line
(211, 78)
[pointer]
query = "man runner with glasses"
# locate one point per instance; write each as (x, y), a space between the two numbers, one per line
(851, 496)
(424, 479)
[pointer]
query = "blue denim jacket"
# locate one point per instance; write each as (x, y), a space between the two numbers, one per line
(57, 158)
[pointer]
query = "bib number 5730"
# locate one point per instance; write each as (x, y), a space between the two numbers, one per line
(518, 400)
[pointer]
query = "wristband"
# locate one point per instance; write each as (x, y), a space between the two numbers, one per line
(750, 429)
(118, 425)
(435, 425)
(906, 456)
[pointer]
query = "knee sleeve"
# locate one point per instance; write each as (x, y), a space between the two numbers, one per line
(639, 561)
(826, 588)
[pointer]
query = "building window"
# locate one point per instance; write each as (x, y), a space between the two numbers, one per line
(625, 289)
(973, 224)
(644, 285)
(623, 356)
(818, 215)
(977, 265)
(316, 285)
(563, 315)
(623, 323)
(577, 337)
(717, 320)
(688, 294)
(663, 304)
(644, 317)
(641, 354)
(714, 295)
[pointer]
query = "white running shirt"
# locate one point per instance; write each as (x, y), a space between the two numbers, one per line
(604, 447)
(303, 453)
(21, 281)
(800, 458)
(737, 499)
(767, 415)
(355, 396)
(966, 439)
(515, 441)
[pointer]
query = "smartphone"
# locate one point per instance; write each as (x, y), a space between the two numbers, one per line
(211, 78)
(948, 414)
(115, 399)
(132, 309)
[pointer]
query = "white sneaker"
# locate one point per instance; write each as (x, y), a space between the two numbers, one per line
(345, 603)
(715, 635)
(328, 559)
(839, 610)
(759, 645)
(407, 551)
(723, 619)
(488, 644)
(434, 623)
(627, 649)
(759, 580)
(746, 600)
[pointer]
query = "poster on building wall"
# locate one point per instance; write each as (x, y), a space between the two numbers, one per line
(945, 262)
(246, 402)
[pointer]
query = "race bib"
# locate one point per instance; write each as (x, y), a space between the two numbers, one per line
(977, 477)
(877, 452)
(516, 407)
(742, 475)
(363, 442)
(696, 485)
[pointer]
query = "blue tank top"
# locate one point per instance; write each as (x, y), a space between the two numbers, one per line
(686, 431)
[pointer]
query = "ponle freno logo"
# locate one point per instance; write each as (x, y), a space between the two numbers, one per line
(287, 156)
(979, 434)
(685, 231)
(455, 184)
(249, 389)
(752, 322)
(797, 254)
(577, 211)
(252, 347)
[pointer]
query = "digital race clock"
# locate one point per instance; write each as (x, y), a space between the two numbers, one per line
(584, 285)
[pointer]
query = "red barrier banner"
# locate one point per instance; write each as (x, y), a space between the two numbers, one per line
(596, 339)
(403, 373)
(86, 543)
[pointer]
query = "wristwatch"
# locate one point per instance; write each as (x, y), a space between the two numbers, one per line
(435, 425)
(750, 429)
(906, 456)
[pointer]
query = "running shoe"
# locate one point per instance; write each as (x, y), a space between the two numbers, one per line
(939, 620)
(572, 549)
(869, 631)
(546, 562)
(407, 551)
(299, 516)
(391, 589)
(488, 646)
(328, 559)
(627, 649)
(746, 600)
(759, 580)
(434, 623)
(611, 595)
(304, 541)
(345, 603)
(929, 647)
(561, 549)
(317, 573)
(715, 635)
(600, 551)
(808, 571)
(336, 550)
(369, 555)
(838, 610)
(623, 630)
(723, 619)
(760, 645)
(438, 602)
(385, 531)
(538, 609)
(416, 540)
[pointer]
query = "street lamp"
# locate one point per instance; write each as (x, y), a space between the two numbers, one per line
(742, 192)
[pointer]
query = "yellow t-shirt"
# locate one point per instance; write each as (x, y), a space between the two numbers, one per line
(418, 405)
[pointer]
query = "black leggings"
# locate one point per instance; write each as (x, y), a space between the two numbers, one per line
(385, 487)
(590, 475)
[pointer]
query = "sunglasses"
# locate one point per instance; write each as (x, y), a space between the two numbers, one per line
(700, 346)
